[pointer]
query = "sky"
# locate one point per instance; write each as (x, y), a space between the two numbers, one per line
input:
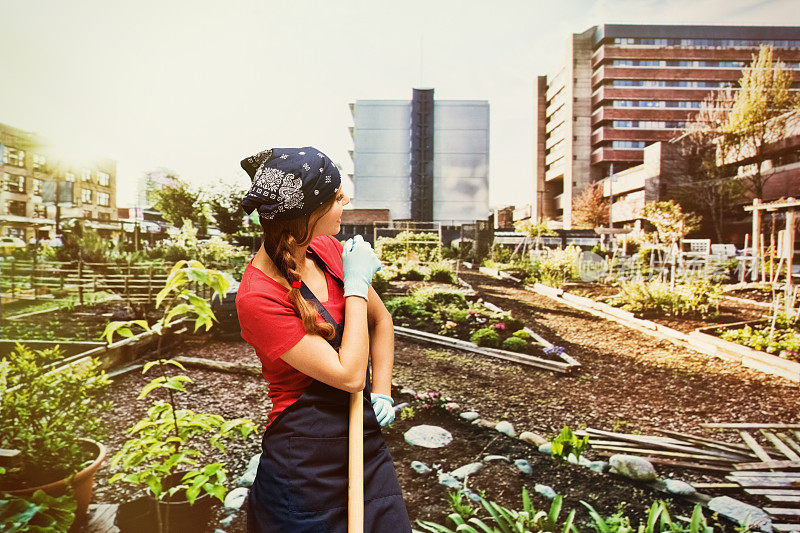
(195, 86)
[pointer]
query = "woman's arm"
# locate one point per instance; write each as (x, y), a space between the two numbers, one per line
(381, 344)
(345, 370)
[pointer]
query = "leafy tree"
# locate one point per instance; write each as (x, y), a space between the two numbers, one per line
(590, 209)
(223, 202)
(758, 116)
(180, 203)
(707, 187)
(534, 230)
(672, 225)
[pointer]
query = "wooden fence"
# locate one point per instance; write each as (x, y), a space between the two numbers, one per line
(52, 280)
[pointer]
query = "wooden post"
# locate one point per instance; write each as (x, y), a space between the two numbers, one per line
(756, 231)
(761, 258)
(744, 261)
(13, 271)
(80, 281)
(789, 247)
(355, 478)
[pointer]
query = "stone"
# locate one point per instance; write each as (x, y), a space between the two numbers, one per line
(420, 468)
(681, 488)
(428, 436)
(218, 530)
(481, 423)
(236, 497)
(545, 490)
(546, 448)
(246, 480)
(471, 495)
(598, 466)
(532, 438)
(741, 512)
(406, 390)
(469, 415)
(467, 470)
(505, 427)
(228, 520)
(632, 467)
(449, 481)
(490, 458)
(523, 466)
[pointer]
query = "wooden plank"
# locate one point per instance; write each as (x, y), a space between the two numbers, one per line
(663, 444)
(781, 446)
(765, 482)
(724, 446)
(716, 486)
(783, 492)
(770, 465)
(643, 451)
(780, 528)
(755, 446)
(737, 425)
(782, 498)
(782, 511)
(752, 474)
(789, 441)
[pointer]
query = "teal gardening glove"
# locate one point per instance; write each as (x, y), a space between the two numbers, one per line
(360, 264)
(382, 405)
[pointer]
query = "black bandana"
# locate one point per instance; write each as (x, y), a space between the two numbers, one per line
(289, 182)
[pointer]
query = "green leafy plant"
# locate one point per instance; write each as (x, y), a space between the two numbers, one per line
(418, 246)
(486, 337)
(514, 344)
(162, 445)
(782, 340)
(522, 334)
(461, 505)
(693, 297)
(528, 520)
(657, 520)
(441, 272)
(407, 413)
(36, 513)
(568, 444)
(44, 410)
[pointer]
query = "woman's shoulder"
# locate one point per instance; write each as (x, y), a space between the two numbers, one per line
(256, 288)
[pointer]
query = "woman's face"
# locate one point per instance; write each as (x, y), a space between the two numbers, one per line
(330, 222)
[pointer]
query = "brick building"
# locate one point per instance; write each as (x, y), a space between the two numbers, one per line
(624, 87)
(33, 178)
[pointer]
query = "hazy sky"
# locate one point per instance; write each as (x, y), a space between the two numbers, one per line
(195, 86)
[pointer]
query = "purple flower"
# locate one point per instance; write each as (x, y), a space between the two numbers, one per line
(554, 350)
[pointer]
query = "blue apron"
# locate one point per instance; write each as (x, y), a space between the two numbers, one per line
(301, 483)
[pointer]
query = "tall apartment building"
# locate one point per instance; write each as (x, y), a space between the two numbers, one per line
(624, 87)
(424, 159)
(34, 181)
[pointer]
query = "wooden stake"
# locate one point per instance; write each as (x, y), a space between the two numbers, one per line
(355, 480)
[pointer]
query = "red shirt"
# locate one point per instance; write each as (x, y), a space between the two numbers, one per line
(271, 325)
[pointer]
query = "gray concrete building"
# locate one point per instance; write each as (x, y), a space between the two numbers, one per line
(423, 159)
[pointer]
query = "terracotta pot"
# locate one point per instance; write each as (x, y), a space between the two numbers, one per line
(82, 483)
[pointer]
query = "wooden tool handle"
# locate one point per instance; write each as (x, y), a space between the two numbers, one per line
(355, 478)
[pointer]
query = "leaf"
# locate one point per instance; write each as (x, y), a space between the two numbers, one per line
(154, 384)
(216, 490)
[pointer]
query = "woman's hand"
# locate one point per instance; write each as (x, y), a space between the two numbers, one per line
(382, 405)
(360, 264)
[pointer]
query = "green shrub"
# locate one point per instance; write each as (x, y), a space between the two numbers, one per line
(500, 254)
(694, 297)
(441, 272)
(511, 323)
(567, 443)
(424, 247)
(380, 283)
(432, 298)
(459, 316)
(411, 272)
(486, 337)
(522, 334)
(514, 344)
(408, 311)
(784, 341)
(559, 266)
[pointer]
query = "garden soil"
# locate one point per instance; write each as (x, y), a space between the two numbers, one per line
(628, 382)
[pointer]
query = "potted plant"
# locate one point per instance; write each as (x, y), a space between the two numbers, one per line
(161, 454)
(50, 421)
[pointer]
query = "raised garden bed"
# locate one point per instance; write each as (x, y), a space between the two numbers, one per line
(708, 337)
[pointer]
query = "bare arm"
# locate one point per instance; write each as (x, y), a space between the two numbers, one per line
(381, 344)
(345, 370)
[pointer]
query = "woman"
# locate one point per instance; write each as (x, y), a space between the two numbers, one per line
(305, 304)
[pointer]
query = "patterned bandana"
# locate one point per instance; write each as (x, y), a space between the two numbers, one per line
(289, 182)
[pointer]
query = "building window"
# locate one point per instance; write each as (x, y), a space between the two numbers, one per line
(103, 199)
(694, 43)
(39, 211)
(103, 216)
(39, 161)
(87, 214)
(103, 179)
(13, 183)
(16, 208)
(14, 157)
(86, 196)
(650, 124)
(86, 175)
(37, 187)
(628, 145)
(69, 176)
